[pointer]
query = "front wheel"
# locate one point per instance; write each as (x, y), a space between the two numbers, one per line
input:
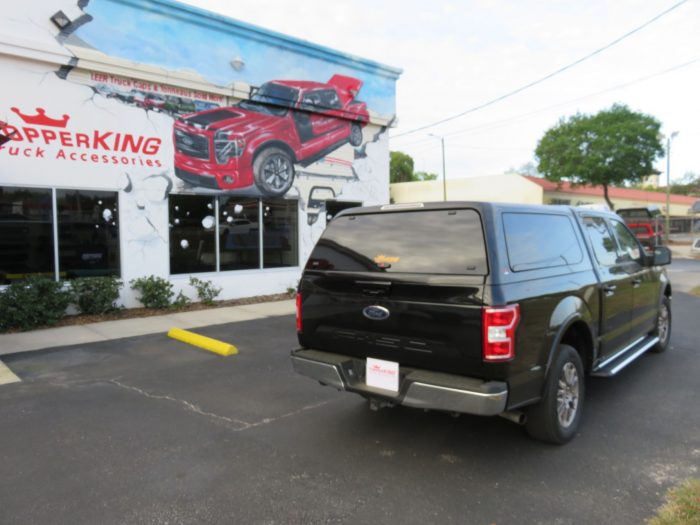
(663, 326)
(556, 417)
(273, 170)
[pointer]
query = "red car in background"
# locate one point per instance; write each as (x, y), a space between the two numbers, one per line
(645, 223)
(260, 140)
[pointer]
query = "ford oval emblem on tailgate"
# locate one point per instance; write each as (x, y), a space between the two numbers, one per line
(375, 313)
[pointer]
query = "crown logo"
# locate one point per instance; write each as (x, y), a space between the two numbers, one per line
(40, 119)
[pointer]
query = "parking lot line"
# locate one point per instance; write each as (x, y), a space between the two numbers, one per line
(7, 376)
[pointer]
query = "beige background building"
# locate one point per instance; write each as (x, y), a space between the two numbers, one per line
(532, 190)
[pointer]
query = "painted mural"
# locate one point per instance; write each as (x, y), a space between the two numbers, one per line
(112, 102)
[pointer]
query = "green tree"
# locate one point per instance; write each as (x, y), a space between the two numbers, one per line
(688, 185)
(612, 147)
(400, 167)
(424, 175)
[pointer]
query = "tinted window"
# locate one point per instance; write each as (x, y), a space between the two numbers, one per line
(192, 234)
(629, 247)
(602, 241)
(239, 233)
(540, 241)
(26, 233)
(280, 233)
(438, 242)
(88, 233)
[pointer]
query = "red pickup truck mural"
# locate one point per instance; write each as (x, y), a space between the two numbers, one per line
(259, 141)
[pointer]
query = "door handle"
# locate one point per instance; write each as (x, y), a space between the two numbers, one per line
(609, 289)
(636, 282)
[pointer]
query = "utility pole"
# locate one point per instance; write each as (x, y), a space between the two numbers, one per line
(444, 175)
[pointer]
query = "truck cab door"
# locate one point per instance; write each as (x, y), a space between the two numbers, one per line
(645, 286)
(615, 288)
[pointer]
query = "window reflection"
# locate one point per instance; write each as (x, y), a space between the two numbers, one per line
(280, 233)
(413, 242)
(601, 240)
(26, 233)
(192, 234)
(239, 233)
(540, 241)
(88, 233)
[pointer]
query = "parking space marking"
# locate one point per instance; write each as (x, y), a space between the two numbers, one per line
(7, 376)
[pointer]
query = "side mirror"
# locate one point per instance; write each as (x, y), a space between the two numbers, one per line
(661, 256)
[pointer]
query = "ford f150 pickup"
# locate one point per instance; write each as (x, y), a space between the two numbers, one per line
(480, 308)
(258, 141)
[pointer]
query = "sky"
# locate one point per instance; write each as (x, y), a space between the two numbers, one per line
(456, 55)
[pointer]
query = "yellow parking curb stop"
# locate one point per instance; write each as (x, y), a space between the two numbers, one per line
(201, 341)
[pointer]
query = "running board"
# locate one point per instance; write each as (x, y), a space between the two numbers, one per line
(612, 366)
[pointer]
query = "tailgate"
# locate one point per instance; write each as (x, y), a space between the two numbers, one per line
(405, 287)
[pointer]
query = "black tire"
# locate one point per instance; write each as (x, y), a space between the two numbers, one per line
(663, 326)
(355, 135)
(273, 170)
(556, 417)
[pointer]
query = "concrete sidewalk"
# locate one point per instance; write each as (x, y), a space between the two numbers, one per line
(108, 330)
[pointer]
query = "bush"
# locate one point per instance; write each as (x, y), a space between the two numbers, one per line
(181, 300)
(156, 292)
(33, 302)
(96, 295)
(206, 291)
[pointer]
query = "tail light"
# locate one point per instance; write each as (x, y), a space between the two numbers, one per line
(499, 326)
(299, 312)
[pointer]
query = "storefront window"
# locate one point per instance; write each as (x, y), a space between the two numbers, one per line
(26, 233)
(280, 233)
(88, 233)
(239, 233)
(192, 234)
(193, 243)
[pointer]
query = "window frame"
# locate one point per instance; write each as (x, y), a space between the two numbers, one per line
(261, 233)
(54, 222)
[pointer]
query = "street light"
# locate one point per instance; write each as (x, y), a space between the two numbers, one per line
(444, 175)
(668, 184)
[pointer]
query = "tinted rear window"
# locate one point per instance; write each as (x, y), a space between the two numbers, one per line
(540, 241)
(437, 242)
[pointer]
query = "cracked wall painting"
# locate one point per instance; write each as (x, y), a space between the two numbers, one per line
(128, 108)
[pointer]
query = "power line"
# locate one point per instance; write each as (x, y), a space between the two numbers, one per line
(546, 77)
(499, 123)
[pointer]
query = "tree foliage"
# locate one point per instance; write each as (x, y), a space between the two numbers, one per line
(688, 185)
(401, 169)
(612, 147)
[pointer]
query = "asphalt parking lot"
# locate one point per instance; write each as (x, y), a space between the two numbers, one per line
(150, 430)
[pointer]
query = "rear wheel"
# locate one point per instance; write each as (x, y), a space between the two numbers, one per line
(274, 171)
(355, 135)
(663, 326)
(556, 417)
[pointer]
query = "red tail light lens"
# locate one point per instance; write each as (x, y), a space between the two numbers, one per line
(499, 326)
(299, 312)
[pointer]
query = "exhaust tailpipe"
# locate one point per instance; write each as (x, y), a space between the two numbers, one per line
(515, 416)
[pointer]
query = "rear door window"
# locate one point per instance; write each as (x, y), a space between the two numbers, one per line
(537, 241)
(435, 242)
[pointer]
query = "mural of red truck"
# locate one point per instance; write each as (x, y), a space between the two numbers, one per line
(259, 141)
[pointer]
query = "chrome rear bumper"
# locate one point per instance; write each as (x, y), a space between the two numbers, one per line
(417, 388)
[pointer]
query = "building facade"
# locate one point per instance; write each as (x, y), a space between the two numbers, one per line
(154, 138)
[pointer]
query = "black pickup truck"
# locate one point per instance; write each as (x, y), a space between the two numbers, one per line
(480, 308)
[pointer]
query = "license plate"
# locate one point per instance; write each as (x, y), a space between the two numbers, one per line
(382, 374)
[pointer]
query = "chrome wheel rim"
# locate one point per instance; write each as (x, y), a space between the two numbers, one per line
(567, 395)
(662, 323)
(277, 172)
